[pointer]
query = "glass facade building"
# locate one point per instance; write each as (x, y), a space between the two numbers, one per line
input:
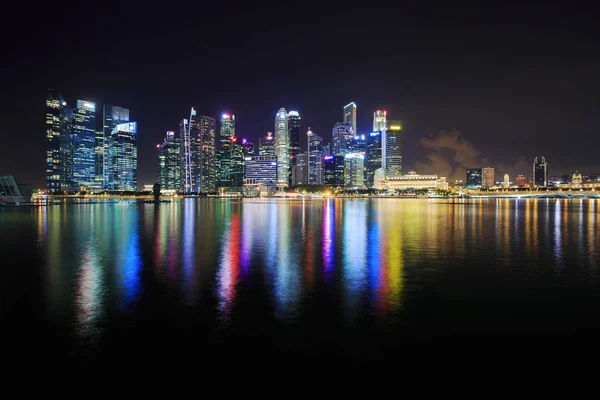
(122, 157)
(59, 145)
(266, 145)
(315, 158)
(341, 138)
(169, 163)
(354, 167)
(294, 132)
(392, 148)
(373, 157)
(236, 163)
(227, 131)
(84, 144)
(333, 167)
(379, 120)
(474, 178)
(540, 172)
(206, 171)
(261, 170)
(300, 170)
(111, 117)
(350, 116)
(282, 147)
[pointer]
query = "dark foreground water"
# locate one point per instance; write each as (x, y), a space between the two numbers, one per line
(337, 281)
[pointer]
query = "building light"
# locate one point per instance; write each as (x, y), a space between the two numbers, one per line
(395, 128)
(225, 116)
(247, 158)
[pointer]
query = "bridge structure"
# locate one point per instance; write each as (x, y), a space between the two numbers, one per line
(539, 194)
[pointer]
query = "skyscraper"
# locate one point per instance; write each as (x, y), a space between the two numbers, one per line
(506, 182)
(354, 167)
(236, 163)
(373, 157)
(392, 149)
(227, 131)
(248, 148)
(111, 117)
(59, 146)
(122, 157)
(169, 162)
(266, 145)
(333, 171)
(206, 172)
(341, 138)
(261, 170)
(84, 144)
(188, 129)
(488, 178)
(300, 170)
(540, 172)
(379, 120)
(294, 129)
(474, 178)
(282, 147)
(350, 116)
(315, 158)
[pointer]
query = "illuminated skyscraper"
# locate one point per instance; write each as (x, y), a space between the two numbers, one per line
(540, 172)
(236, 163)
(474, 178)
(112, 116)
(84, 144)
(392, 149)
(188, 129)
(59, 145)
(206, 171)
(315, 158)
(300, 170)
(379, 120)
(488, 177)
(294, 129)
(282, 147)
(373, 157)
(261, 170)
(506, 182)
(169, 163)
(341, 138)
(333, 171)
(248, 148)
(227, 131)
(266, 145)
(350, 116)
(354, 167)
(122, 157)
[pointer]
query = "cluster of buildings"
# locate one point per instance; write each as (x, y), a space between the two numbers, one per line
(88, 150)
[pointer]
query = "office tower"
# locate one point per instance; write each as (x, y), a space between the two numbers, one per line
(392, 149)
(506, 182)
(266, 145)
(341, 138)
(329, 175)
(282, 147)
(488, 178)
(227, 131)
(358, 144)
(327, 149)
(59, 145)
(236, 163)
(300, 170)
(315, 158)
(474, 179)
(206, 172)
(248, 148)
(373, 157)
(111, 117)
(188, 131)
(294, 130)
(350, 116)
(84, 144)
(121, 162)
(169, 162)
(99, 159)
(354, 167)
(261, 170)
(379, 120)
(522, 180)
(540, 172)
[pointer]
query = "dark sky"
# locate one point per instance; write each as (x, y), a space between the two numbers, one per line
(516, 82)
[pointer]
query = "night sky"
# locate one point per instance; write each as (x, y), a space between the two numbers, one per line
(515, 82)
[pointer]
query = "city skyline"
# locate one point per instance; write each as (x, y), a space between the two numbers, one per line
(515, 84)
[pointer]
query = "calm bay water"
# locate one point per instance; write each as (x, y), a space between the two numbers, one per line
(337, 280)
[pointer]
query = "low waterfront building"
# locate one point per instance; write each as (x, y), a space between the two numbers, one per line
(412, 180)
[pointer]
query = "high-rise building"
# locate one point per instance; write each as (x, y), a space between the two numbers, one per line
(522, 180)
(99, 159)
(111, 117)
(261, 170)
(59, 145)
(540, 172)
(248, 148)
(392, 148)
(354, 167)
(206, 171)
(373, 157)
(300, 170)
(226, 133)
(474, 179)
(488, 177)
(84, 144)
(188, 129)
(236, 163)
(506, 182)
(169, 162)
(315, 158)
(282, 147)
(122, 157)
(379, 120)
(341, 138)
(294, 130)
(350, 116)
(333, 171)
(266, 145)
